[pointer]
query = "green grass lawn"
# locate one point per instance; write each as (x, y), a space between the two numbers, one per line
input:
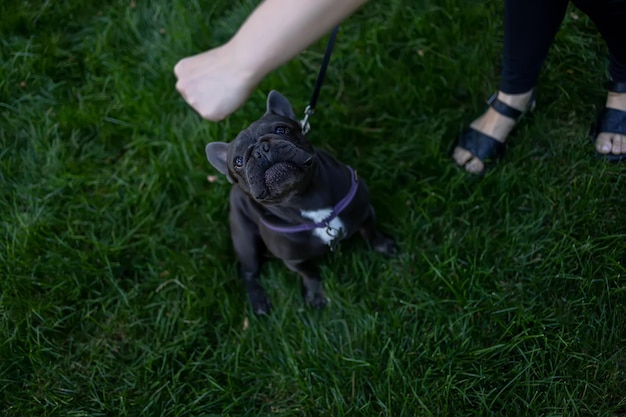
(118, 287)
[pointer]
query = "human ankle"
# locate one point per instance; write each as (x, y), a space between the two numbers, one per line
(517, 101)
(616, 100)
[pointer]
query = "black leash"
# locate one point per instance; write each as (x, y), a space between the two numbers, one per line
(310, 109)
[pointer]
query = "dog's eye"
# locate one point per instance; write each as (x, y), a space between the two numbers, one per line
(238, 161)
(281, 130)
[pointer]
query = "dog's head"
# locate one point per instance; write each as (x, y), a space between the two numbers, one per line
(271, 160)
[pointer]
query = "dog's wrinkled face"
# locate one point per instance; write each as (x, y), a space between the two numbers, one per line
(270, 160)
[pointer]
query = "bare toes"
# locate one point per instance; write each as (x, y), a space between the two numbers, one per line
(603, 143)
(475, 166)
(461, 156)
(469, 162)
(619, 144)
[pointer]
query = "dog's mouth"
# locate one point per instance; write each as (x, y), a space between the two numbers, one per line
(282, 171)
(278, 173)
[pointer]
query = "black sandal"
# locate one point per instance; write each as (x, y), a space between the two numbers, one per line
(485, 147)
(611, 121)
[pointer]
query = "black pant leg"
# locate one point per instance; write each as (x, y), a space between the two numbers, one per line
(529, 29)
(609, 16)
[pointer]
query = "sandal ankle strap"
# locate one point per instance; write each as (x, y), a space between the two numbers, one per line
(503, 108)
(617, 86)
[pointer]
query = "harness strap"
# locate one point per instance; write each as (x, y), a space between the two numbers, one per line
(339, 207)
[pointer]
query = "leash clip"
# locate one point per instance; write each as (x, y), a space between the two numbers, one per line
(305, 127)
(336, 235)
(331, 231)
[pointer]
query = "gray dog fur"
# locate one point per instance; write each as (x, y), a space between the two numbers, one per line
(280, 179)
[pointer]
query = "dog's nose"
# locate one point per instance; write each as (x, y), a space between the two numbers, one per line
(262, 151)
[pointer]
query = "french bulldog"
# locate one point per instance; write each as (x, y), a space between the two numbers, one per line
(291, 199)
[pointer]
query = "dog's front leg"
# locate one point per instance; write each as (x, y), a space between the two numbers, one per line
(249, 248)
(313, 288)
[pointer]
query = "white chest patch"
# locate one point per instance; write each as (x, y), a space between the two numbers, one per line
(317, 216)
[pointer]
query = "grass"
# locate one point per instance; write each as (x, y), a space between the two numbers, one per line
(118, 289)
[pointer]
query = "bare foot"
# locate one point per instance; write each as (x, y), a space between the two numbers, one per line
(493, 124)
(613, 143)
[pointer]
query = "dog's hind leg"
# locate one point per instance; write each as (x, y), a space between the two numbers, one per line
(313, 288)
(377, 240)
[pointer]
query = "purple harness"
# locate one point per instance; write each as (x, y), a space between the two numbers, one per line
(326, 222)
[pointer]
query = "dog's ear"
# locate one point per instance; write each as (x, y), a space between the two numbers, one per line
(278, 104)
(217, 154)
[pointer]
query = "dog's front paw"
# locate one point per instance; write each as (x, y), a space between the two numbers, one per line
(316, 299)
(261, 304)
(385, 245)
